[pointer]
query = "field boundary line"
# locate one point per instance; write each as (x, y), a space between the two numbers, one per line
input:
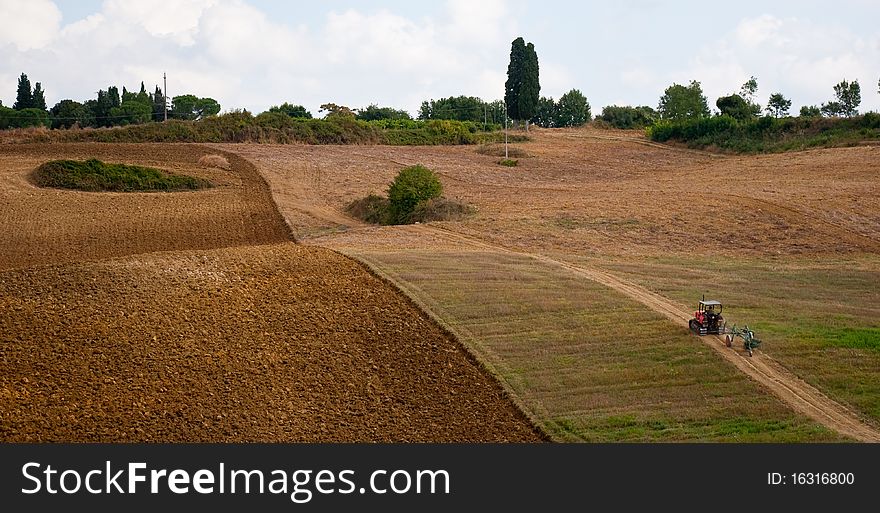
(482, 356)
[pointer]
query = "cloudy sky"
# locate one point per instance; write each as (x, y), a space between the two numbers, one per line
(257, 53)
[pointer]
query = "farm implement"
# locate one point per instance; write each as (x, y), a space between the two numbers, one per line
(708, 320)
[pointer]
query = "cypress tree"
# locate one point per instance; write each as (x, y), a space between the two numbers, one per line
(38, 98)
(515, 77)
(531, 88)
(24, 98)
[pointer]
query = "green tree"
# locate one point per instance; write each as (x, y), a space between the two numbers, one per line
(545, 114)
(832, 109)
(515, 75)
(11, 118)
(411, 186)
(683, 102)
(530, 89)
(159, 104)
(374, 112)
(459, 108)
(38, 98)
(191, 107)
(849, 96)
(67, 113)
(749, 90)
(131, 112)
(628, 117)
(24, 98)
(736, 107)
(811, 111)
(336, 112)
(573, 109)
(778, 105)
(294, 111)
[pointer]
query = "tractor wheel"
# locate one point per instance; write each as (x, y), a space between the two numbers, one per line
(695, 326)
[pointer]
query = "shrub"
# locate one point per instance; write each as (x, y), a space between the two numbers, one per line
(440, 209)
(627, 117)
(372, 209)
(449, 132)
(10, 118)
(508, 162)
(94, 175)
(766, 134)
(497, 150)
(412, 185)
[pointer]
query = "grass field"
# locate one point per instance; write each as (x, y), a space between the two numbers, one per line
(822, 318)
(589, 364)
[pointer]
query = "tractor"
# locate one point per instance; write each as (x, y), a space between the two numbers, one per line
(707, 319)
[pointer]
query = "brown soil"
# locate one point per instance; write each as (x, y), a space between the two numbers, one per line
(245, 342)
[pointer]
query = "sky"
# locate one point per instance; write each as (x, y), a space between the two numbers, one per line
(253, 54)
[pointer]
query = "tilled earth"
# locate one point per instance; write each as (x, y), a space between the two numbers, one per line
(263, 343)
(119, 323)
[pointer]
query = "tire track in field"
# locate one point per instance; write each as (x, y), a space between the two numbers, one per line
(797, 393)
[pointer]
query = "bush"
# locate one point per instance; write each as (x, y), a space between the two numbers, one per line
(767, 134)
(440, 209)
(412, 185)
(450, 132)
(11, 118)
(508, 162)
(627, 117)
(372, 209)
(497, 150)
(94, 175)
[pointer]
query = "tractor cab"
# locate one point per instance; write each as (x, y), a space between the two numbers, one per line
(710, 307)
(707, 319)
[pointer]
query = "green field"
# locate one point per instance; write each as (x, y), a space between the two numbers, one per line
(587, 363)
(821, 319)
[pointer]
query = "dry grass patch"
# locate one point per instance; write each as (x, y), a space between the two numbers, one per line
(218, 161)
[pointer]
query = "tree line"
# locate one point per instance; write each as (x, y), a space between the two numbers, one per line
(109, 108)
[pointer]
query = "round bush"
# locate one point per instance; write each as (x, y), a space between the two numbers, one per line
(412, 185)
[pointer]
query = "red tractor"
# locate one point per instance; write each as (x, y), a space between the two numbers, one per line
(707, 319)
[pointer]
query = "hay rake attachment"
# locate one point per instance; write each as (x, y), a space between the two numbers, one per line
(750, 342)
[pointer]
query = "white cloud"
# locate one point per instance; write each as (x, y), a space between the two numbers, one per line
(800, 58)
(234, 52)
(28, 25)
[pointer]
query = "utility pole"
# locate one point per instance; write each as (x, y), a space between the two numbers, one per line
(165, 97)
(505, 131)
